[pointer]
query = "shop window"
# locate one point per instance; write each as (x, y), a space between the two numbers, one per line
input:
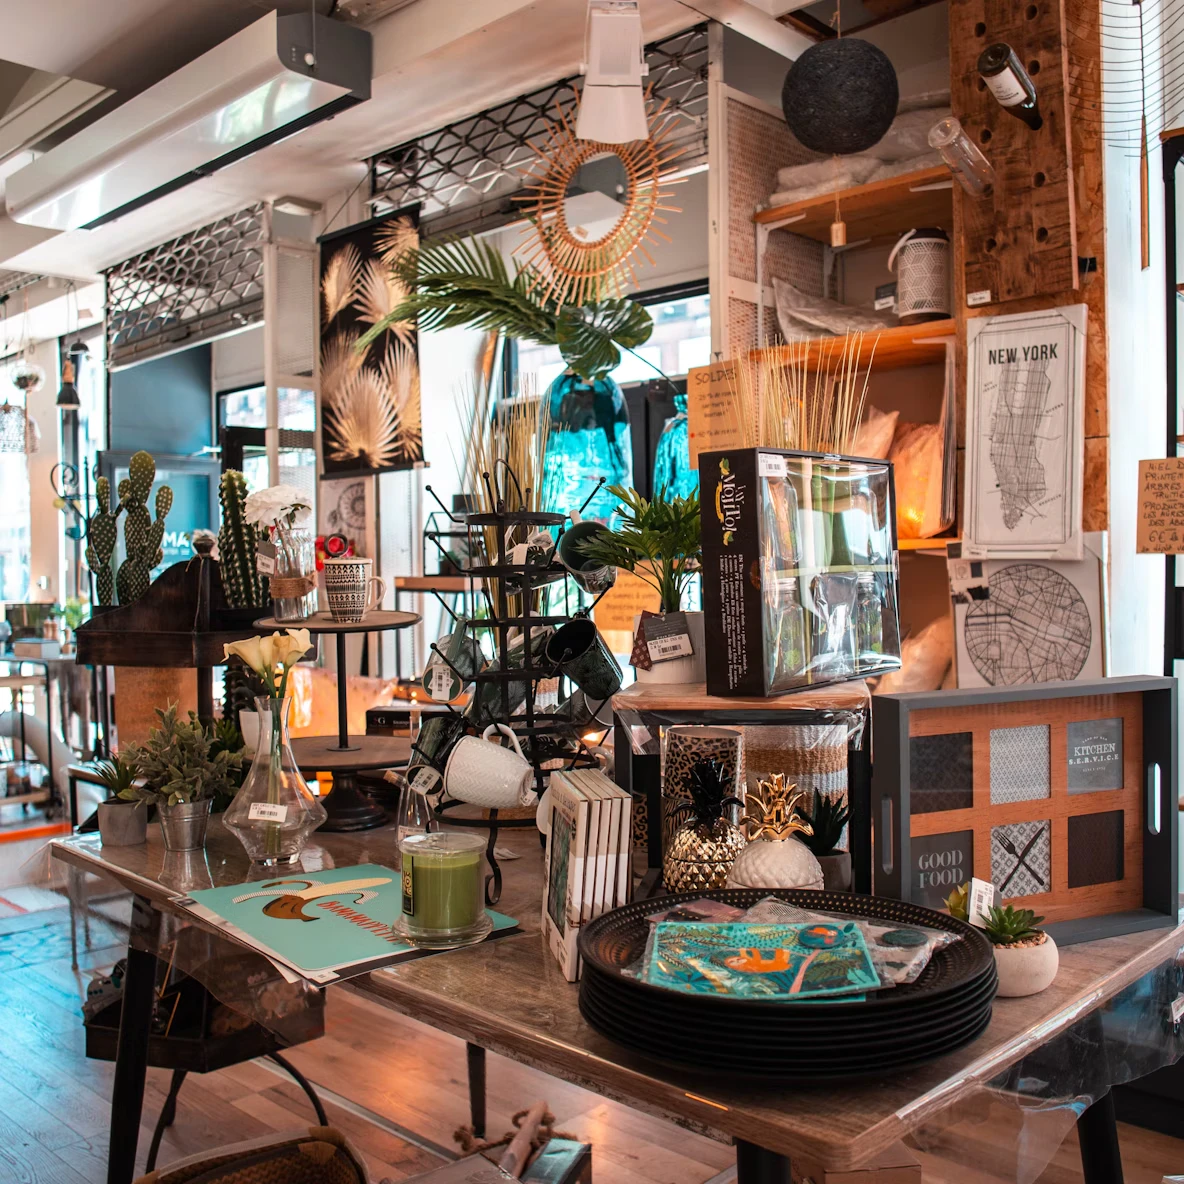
(247, 408)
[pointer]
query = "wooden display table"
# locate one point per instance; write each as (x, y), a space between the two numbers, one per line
(654, 706)
(1050, 1049)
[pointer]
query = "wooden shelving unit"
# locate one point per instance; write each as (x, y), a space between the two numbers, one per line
(875, 210)
(905, 345)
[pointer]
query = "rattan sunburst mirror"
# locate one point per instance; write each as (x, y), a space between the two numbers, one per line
(577, 266)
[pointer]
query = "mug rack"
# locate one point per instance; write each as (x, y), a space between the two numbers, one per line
(503, 692)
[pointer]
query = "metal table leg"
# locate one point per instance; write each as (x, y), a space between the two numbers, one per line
(131, 1063)
(756, 1165)
(1097, 1132)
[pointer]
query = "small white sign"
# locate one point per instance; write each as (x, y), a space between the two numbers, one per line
(974, 299)
(769, 464)
(980, 902)
(267, 812)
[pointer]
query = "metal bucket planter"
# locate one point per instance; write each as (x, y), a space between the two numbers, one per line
(183, 827)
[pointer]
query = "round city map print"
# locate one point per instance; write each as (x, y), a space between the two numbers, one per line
(1034, 627)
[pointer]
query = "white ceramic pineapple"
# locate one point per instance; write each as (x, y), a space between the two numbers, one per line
(773, 857)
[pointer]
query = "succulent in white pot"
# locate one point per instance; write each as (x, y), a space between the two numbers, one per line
(774, 858)
(827, 820)
(1026, 958)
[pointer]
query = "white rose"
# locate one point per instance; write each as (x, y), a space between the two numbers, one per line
(277, 504)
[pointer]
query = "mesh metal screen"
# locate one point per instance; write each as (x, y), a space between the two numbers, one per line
(192, 288)
(465, 173)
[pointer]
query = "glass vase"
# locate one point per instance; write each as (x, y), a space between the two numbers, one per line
(295, 575)
(274, 812)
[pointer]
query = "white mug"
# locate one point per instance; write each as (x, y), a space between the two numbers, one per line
(348, 588)
(487, 775)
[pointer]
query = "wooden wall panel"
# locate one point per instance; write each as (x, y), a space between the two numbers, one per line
(1021, 239)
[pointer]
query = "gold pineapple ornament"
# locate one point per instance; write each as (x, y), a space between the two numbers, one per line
(773, 858)
(703, 848)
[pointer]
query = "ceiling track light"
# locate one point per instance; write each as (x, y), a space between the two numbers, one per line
(612, 106)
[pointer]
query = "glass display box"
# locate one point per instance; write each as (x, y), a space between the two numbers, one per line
(799, 570)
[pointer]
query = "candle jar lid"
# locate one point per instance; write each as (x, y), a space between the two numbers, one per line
(443, 890)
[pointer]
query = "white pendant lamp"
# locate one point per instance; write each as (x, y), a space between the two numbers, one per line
(612, 106)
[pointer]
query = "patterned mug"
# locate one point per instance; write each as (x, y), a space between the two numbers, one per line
(348, 584)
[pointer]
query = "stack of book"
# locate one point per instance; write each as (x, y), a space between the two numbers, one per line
(588, 853)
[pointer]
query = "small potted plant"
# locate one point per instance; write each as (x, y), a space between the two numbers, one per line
(122, 823)
(660, 541)
(1026, 957)
(827, 820)
(183, 767)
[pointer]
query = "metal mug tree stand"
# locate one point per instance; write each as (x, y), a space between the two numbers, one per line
(550, 740)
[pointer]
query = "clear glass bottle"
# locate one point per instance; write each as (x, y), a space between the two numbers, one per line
(1009, 82)
(974, 171)
(415, 815)
(792, 657)
(295, 574)
(869, 618)
(274, 812)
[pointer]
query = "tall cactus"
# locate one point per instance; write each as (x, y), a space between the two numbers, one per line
(101, 532)
(237, 541)
(142, 536)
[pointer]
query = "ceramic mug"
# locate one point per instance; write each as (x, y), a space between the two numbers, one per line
(348, 584)
(487, 775)
(580, 652)
(587, 573)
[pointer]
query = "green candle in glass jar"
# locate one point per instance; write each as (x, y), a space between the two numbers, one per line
(443, 889)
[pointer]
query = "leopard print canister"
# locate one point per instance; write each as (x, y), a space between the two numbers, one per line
(683, 748)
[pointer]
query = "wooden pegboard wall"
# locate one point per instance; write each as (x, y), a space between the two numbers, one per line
(1020, 239)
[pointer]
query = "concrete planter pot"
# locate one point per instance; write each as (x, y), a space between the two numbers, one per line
(1026, 970)
(836, 871)
(123, 824)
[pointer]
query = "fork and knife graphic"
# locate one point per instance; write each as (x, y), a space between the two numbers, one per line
(1021, 859)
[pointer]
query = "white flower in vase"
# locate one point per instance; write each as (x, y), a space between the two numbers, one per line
(284, 506)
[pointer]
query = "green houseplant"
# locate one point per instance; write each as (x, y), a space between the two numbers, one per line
(827, 818)
(659, 541)
(1026, 958)
(183, 766)
(122, 822)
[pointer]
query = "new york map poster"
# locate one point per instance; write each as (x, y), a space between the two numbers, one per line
(1025, 434)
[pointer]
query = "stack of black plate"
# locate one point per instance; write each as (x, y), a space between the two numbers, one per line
(948, 1005)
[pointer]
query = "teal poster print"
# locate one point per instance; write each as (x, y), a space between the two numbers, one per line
(322, 924)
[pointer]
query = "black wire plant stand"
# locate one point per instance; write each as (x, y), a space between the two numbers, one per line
(504, 692)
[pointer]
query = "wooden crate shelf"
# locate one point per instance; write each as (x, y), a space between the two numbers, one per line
(875, 210)
(906, 345)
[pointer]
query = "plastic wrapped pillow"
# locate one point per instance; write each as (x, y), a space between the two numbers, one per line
(827, 314)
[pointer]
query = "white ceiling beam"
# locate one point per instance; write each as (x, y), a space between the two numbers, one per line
(752, 19)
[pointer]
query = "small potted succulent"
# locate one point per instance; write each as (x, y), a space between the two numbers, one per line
(706, 844)
(827, 820)
(659, 541)
(1026, 957)
(183, 767)
(122, 823)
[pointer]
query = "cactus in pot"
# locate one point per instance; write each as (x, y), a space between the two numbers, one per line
(237, 542)
(142, 536)
(101, 532)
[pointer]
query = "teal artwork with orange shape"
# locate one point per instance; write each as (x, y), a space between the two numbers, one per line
(761, 961)
(326, 924)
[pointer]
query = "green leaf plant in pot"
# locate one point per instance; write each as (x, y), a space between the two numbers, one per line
(659, 541)
(122, 823)
(1026, 958)
(827, 818)
(182, 768)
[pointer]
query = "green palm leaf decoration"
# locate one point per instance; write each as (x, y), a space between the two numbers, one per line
(466, 282)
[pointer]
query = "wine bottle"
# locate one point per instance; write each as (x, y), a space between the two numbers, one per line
(1008, 81)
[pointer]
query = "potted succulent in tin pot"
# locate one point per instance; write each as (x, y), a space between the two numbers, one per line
(659, 541)
(827, 819)
(1026, 957)
(122, 823)
(183, 767)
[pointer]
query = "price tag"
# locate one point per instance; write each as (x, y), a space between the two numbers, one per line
(441, 684)
(267, 812)
(667, 638)
(265, 554)
(974, 299)
(425, 780)
(1177, 1009)
(769, 464)
(982, 900)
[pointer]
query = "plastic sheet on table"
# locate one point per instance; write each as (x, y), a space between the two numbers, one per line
(1008, 1125)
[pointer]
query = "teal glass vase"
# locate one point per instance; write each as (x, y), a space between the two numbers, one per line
(590, 439)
